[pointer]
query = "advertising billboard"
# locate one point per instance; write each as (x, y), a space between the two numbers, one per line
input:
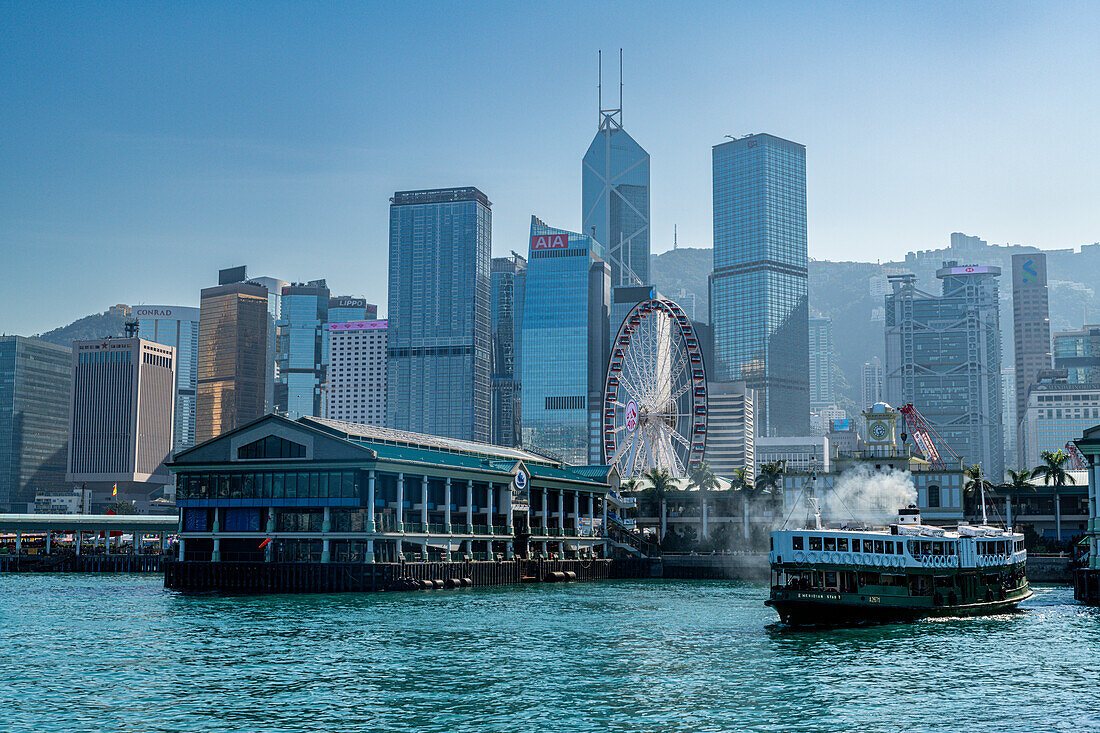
(549, 241)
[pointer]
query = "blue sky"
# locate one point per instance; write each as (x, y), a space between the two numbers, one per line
(145, 146)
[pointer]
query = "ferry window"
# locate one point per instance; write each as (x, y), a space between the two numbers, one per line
(842, 544)
(950, 548)
(830, 579)
(796, 542)
(926, 547)
(868, 546)
(937, 548)
(912, 547)
(815, 543)
(830, 544)
(878, 546)
(889, 548)
(855, 545)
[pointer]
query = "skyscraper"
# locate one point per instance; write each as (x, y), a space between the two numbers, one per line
(509, 277)
(301, 351)
(943, 354)
(871, 383)
(1030, 332)
(123, 400)
(34, 419)
(234, 371)
(357, 372)
(439, 322)
(176, 326)
(1078, 352)
(565, 340)
(615, 198)
(730, 429)
(822, 363)
(759, 302)
(344, 308)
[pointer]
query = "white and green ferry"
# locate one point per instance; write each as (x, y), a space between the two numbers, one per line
(906, 571)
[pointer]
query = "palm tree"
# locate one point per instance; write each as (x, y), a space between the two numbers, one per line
(703, 478)
(975, 484)
(1054, 472)
(1018, 481)
(770, 477)
(661, 484)
(740, 482)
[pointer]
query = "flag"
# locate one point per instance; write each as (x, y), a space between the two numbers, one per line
(114, 490)
(265, 543)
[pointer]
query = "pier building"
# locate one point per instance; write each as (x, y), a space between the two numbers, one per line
(324, 491)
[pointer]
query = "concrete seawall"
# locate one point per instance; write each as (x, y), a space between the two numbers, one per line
(1049, 569)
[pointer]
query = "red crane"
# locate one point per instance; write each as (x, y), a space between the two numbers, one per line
(927, 439)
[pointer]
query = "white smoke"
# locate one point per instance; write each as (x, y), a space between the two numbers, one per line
(865, 496)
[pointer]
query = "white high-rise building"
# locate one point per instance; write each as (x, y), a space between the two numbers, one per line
(730, 429)
(357, 372)
(871, 383)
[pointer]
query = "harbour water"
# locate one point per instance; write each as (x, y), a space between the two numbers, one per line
(119, 652)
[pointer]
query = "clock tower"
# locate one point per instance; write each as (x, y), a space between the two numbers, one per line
(881, 429)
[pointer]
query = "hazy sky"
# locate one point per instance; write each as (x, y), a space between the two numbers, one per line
(144, 146)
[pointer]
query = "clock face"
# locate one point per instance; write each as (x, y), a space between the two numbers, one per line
(878, 431)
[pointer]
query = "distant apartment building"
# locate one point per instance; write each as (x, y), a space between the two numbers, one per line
(822, 418)
(1078, 352)
(759, 302)
(122, 408)
(822, 363)
(943, 355)
(233, 372)
(1030, 333)
(566, 342)
(301, 350)
(799, 453)
(439, 313)
(35, 378)
(1057, 412)
(507, 293)
(730, 444)
(870, 381)
(178, 327)
(357, 372)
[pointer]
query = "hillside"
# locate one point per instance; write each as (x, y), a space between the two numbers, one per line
(94, 326)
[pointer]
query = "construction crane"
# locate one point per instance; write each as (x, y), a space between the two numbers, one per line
(1076, 459)
(927, 439)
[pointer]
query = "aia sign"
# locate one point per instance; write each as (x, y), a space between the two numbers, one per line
(631, 416)
(549, 241)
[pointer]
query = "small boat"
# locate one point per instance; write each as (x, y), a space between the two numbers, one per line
(907, 571)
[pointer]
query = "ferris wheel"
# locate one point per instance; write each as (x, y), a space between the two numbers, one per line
(655, 395)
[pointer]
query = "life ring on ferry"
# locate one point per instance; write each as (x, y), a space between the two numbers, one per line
(897, 562)
(799, 558)
(836, 558)
(848, 558)
(877, 560)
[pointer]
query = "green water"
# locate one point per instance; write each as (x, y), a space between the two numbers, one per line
(119, 653)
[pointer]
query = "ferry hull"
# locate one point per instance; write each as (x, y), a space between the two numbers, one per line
(812, 612)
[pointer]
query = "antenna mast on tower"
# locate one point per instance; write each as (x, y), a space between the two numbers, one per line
(610, 118)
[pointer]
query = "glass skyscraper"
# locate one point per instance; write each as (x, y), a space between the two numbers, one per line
(177, 326)
(508, 280)
(943, 355)
(759, 294)
(301, 351)
(565, 343)
(439, 322)
(35, 381)
(822, 361)
(615, 200)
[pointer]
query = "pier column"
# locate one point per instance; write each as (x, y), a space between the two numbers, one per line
(370, 500)
(179, 545)
(469, 509)
(706, 526)
(136, 549)
(216, 555)
(603, 524)
(326, 527)
(162, 542)
(78, 536)
(397, 550)
(489, 507)
(18, 542)
(369, 558)
(561, 509)
(577, 513)
(326, 519)
(217, 520)
(447, 508)
(1008, 512)
(545, 512)
(49, 537)
(400, 519)
(270, 519)
(508, 522)
(424, 549)
(424, 502)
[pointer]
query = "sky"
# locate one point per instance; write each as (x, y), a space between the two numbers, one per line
(144, 146)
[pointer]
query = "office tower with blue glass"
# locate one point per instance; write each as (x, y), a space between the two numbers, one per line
(943, 355)
(615, 198)
(759, 285)
(822, 363)
(176, 326)
(566, 340)
(34, 419)
(1078, 353)
(301, 351)
(439, 321)
(508, 282)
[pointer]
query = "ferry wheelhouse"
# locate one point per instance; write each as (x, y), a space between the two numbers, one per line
(907, 571)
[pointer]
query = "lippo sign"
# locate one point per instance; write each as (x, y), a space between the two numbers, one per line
(549, 241)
